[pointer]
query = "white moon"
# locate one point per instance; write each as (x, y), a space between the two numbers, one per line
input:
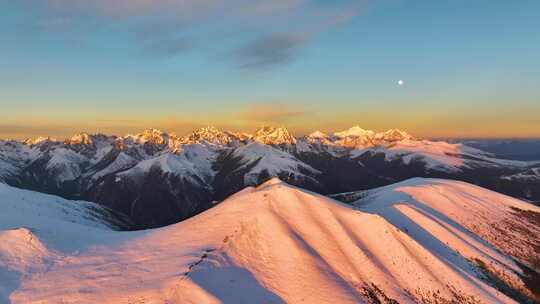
(400, 82)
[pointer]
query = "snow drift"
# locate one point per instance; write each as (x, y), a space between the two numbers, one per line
(423, 240)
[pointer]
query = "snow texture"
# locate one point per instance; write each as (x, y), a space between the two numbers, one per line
(410, 242)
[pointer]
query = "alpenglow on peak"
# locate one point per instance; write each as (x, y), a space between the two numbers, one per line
(355, 131)
(274, 136)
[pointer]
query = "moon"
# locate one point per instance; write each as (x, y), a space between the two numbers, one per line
(400, 82)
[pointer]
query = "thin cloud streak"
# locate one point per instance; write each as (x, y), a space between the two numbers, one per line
(167, 28)
(168, 48)
(269, 51)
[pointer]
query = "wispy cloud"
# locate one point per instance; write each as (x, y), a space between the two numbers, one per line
(269, 50)
(166, 48)
(257, 33)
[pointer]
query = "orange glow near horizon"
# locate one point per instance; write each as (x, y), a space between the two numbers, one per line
(298, 123)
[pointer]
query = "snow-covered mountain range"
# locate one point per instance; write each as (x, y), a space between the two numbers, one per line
(417, 241)
(158, 178)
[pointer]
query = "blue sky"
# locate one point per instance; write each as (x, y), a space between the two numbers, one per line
(471, 68)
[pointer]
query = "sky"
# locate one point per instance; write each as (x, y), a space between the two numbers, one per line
(469, 68)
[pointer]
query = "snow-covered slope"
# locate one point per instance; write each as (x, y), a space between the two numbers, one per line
(436, 155)
(398, 145)
(37, 229)
(454, 217)
(423, 241)
(65, 165)
(13, 158)
(439, 155)
(263, 160)
(134, 174)
(27, 208)
(532, 174)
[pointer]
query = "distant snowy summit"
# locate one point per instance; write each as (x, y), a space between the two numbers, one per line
(269, 135)
(274, 136)
(39, 139)
(158, 178)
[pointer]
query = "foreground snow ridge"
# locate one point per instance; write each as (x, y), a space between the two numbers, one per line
(420, 241)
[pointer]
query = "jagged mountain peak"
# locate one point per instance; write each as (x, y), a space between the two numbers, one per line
(346, 164)
(155, 136)
(82, 138)
(38, 140)
(209, 134)
(241, 136)
(153, 132)
(208, 130)
(273, 136)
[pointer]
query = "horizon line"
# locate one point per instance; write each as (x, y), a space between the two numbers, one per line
(301, 134)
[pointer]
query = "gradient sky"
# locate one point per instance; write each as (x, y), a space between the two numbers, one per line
(471, 68)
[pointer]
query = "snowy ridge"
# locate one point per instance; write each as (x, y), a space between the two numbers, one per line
(65, 164)
(279, 244)
(154, 136)
(167, 163)
(354, 141)
(479, 224)
(357, 137)
(36, 228)
(121, 162)
(25, 208)
(532, 174)
(393, 135)
(262, 158)
(12, 158)
(210, 164)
